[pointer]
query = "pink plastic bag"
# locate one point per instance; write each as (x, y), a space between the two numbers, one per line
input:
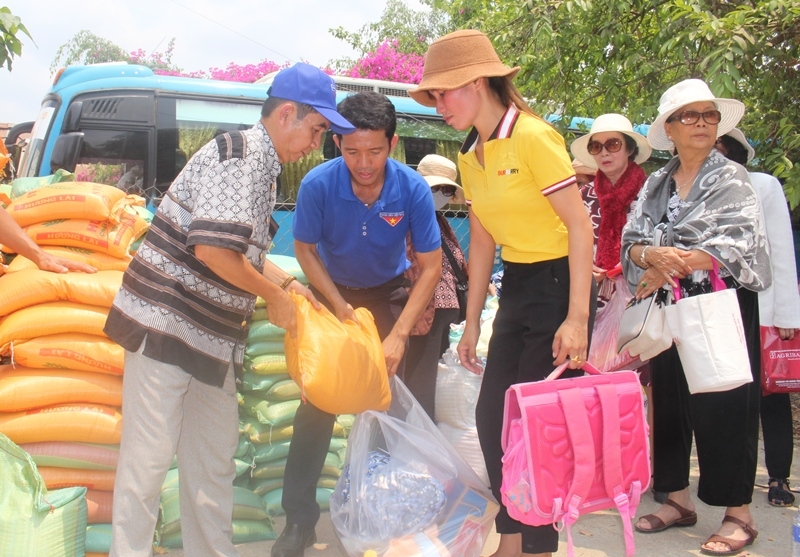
(603, 350)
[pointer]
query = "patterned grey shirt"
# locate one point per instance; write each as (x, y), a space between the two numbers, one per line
(190, 317)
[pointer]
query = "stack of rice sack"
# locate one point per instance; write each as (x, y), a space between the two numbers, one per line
(61, 385)
(269, 399)
(250, 519)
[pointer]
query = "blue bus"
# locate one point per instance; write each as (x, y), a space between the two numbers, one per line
(121, 124)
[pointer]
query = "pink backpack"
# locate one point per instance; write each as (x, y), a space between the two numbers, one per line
(573, 447)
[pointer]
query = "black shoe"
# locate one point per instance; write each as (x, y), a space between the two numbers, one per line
(780, 494)
(293, 541)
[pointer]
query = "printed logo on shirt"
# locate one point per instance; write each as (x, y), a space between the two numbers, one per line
(392, 218)
(508, 171)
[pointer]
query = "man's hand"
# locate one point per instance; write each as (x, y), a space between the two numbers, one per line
(283, 313)
(393, 348)
(298, 288)
(344, 311)
(48, 262)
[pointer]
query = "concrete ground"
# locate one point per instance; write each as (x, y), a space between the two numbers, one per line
(600, 534)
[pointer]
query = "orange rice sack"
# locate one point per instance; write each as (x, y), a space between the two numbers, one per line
(114, 239)
(24, 389)
(73, 455)
(56, 478)
(50, 319)
(99, 503)
(34, 286)
(72, 200)
(340, 367)
(71, 351)
(100, 261)
(65, 422)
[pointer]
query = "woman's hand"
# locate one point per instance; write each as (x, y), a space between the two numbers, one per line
(571, 341)
(599, 274)
(651, 280)
(467, 345)
(669, 262)
(786, 334)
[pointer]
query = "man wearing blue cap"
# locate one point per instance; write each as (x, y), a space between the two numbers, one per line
(350, 226)
(183, 310)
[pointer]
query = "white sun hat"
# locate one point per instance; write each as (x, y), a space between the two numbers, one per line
(686, 92)
(609, 123)
(739, 136)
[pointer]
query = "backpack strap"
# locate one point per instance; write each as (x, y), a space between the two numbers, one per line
(612, 463)
(581, 440)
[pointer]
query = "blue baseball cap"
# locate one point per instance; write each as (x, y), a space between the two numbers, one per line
(306, 84)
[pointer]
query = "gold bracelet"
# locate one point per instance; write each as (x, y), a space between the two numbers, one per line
(287, 281)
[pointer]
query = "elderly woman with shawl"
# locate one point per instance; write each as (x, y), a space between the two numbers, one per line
(709, 211)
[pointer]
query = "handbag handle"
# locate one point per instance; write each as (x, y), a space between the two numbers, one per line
(587, 367)
(717, 283)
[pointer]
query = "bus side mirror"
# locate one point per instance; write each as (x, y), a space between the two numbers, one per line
(66, 151)
(72, 118)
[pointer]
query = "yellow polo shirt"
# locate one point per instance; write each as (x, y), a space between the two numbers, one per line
(525, 161)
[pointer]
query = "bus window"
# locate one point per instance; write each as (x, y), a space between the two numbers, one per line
(114, 157)
(184, 125)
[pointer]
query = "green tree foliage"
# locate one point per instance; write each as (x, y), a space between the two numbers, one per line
(10, 28)
(87, 48)
(413, 31)
(585, 57)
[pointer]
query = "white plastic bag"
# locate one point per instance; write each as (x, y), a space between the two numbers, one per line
(387, 498)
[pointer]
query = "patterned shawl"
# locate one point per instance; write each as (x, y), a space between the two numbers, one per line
(720, 216)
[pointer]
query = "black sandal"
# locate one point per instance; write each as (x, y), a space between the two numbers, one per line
(780, 495)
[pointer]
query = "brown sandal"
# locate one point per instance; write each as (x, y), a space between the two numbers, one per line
(735, 546)
(687, 518)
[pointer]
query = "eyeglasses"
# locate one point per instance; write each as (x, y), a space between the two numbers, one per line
(689, 117)
(447, 191)
(612, 146)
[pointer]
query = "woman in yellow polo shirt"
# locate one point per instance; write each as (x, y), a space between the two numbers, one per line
(521, 188)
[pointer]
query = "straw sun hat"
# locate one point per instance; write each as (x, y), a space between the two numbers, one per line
(456, 59)
(438, 171)
(441, 171)
(609, 123)
(687, 92)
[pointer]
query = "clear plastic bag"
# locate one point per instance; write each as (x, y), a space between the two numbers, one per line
(603, 351)
(405, 491)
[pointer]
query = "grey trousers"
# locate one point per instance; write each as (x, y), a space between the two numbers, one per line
(166, 411)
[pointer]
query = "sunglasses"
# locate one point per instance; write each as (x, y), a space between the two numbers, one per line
(689, 117)
(447, 191)
(613, 145)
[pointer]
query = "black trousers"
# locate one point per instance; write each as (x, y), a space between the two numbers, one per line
(533, 306)
(313, 427)
(776, 427)
(422, 359)
(724, 424)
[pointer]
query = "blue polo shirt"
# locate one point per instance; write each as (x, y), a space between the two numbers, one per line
(364, 247)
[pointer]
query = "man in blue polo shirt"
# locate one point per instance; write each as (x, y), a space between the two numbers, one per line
(353, 214)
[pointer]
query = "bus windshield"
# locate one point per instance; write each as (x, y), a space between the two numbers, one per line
(32, 153)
